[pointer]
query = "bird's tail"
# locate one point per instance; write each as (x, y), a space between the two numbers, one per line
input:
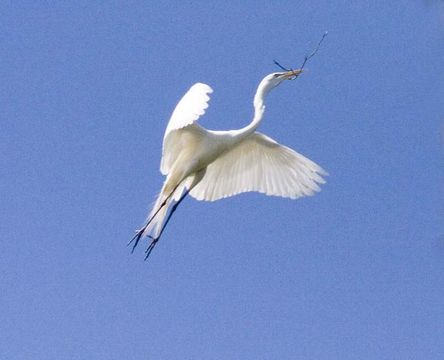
(159, 215)
(156, 217)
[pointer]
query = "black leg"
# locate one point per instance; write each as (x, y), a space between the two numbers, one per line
(140, 232)
(136, 237)
(156, 239)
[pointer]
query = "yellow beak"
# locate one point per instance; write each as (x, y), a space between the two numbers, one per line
(292, 74)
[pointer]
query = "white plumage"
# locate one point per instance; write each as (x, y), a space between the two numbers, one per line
(189, 109)
(211, 165)
(259, 164)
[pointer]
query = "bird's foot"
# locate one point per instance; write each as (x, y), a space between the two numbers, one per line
(151, 246)
(136, 238)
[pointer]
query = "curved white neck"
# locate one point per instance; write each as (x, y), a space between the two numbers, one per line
(259, 108)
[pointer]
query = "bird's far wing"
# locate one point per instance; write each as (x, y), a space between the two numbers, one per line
(190, 107)
(187, 111)
(259, 164)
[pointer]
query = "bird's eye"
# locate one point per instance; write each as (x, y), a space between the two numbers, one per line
(276, 75)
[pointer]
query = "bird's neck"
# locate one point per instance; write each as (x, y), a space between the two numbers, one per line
(259, 109)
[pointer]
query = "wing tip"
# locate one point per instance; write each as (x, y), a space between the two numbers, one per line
(204, 87)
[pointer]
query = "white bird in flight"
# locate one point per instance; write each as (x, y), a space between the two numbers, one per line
(211, 165)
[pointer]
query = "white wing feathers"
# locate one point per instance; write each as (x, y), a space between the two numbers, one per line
(190, 108)
(187, 111)
(259, 164)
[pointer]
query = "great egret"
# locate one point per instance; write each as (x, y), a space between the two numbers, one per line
(211, 165)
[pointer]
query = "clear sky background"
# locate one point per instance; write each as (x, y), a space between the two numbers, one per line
(355, 272)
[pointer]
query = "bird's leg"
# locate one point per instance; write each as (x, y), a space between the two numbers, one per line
(150, 246)
(154, 240)
(137, 237)
(139, 233)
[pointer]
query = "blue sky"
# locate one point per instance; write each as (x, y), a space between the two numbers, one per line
(355, 272)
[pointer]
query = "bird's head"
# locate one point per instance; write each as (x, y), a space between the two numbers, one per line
(271, 81)
(274, 79)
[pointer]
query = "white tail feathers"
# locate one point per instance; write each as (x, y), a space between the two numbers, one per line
(160, 210)
(157, 216)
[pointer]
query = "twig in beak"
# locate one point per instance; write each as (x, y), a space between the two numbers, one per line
(306, 58)
(276, 63)
(314, 51)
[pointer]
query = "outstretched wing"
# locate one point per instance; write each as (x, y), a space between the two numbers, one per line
(259, 164)
(187, 111)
